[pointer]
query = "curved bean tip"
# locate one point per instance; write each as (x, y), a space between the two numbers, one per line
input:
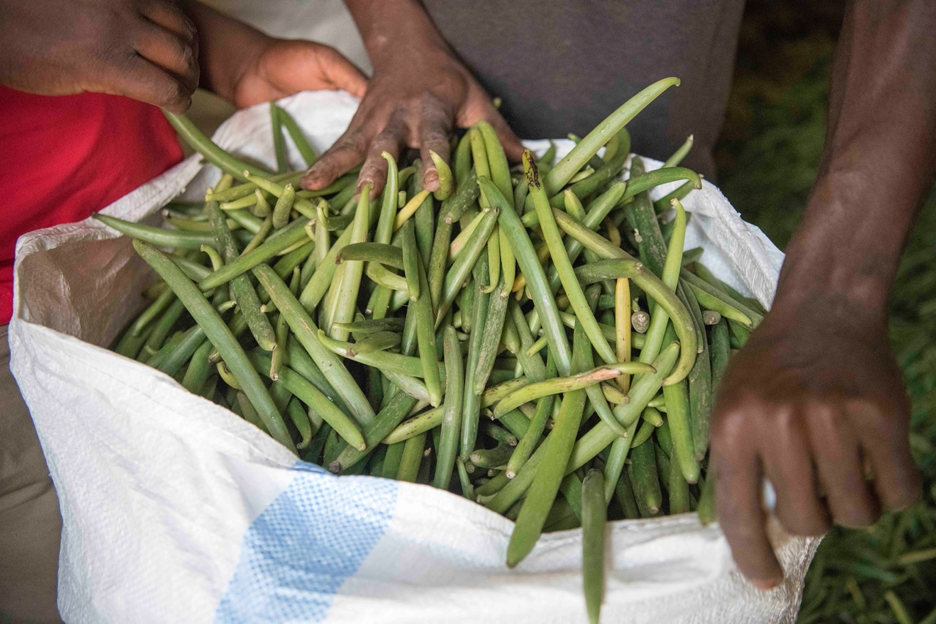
(334, 467)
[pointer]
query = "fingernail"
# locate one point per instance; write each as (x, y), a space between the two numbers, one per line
(311, 181)
(905, 505)
(431, 181)
(765, 584)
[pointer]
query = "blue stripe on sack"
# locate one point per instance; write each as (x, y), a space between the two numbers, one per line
(303, 547)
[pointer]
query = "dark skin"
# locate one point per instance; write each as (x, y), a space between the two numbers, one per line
(157, 51)
(418, 94)
(815, 402)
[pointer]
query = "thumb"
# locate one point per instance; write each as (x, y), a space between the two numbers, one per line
(479, 107)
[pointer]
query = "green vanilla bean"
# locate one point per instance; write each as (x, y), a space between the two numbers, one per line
(220, 336)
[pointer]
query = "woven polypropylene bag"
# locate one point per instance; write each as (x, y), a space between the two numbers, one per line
(176, 510)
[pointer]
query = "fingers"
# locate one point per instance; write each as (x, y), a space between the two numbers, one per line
(434, 131)
(738, 494)
(170, 52)
(839, 466)
(887, 448)
(347, 152)
(788, 465)
(144, 81)
(341, 72)
(291, 66)
(170, 17)
(390, 139)
(480, 108)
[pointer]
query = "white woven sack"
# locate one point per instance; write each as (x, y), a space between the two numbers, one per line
(176, 510)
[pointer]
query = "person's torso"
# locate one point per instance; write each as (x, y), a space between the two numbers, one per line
(62, 158)
(561, 66)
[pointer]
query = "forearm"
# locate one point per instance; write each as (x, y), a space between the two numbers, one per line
(227, 48)
(878, 163)
(388, 25)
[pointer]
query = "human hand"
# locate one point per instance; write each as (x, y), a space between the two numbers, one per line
(417, 95)
(815, 403)
(284, 67)
(143, 49)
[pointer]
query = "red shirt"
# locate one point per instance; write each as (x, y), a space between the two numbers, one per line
(62, 158)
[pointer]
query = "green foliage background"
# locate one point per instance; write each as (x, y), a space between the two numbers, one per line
(767, 159)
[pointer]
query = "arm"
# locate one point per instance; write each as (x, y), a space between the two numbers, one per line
(815, 401)
(418, 93)
(149, 50)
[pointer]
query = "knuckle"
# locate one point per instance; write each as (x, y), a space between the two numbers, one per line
(826, 418)
(186, 55)
(373, 166)
(387, 137)
(375, 159)
(730, 430)
(353, 141)
(189, 30)
(436, 108)
(782, 418)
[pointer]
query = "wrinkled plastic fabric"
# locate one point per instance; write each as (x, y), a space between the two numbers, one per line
(176, 510)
